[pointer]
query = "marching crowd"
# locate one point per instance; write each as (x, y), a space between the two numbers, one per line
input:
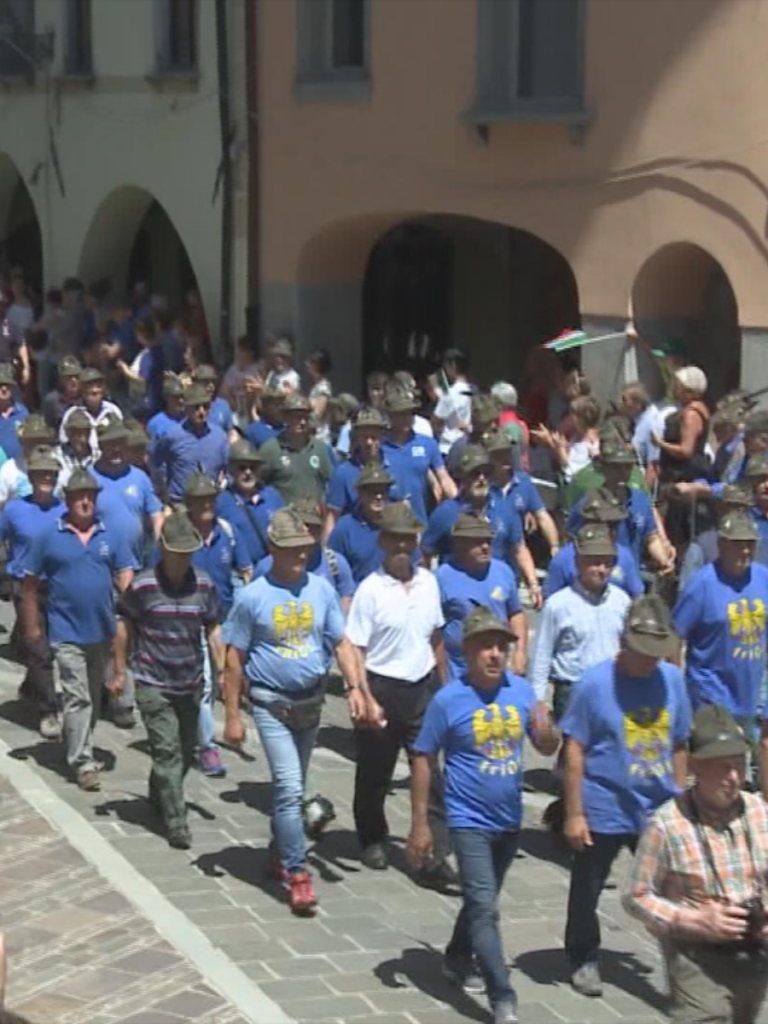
(173, 535)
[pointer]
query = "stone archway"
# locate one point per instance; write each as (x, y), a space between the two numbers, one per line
(443, 280)
(131, 238)
(682, 299)
(21, 243)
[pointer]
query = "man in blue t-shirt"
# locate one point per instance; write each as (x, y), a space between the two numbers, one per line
(12, 413)
(471, 579)
(22, 521)
(721, 615)
(244, 503)
(640, 530)
(173, 408)
(278, 634)
(479, 723)
(625, 733)
(81, 560)
(599, 506)
(194, 445)
(367, 430)
(356, 535)
(323, 561)
(413, 460)
(271, 411)
(220, 414)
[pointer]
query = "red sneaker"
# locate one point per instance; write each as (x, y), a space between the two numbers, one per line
(302, 894)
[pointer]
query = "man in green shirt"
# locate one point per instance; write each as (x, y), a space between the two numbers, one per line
(296, 464)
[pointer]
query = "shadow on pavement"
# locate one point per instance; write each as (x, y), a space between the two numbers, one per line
(245, 863)
(136, 811)
(50, 756)
(421, 966)
(20, 712)
(340, 740)
(623, 970)
(544, 845)
(256, 795)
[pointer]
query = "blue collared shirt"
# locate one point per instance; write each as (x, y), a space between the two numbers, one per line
(505, 522)
(409, 465)
(576, 631)
(160, 424)
(522, 494)
(22, 521)
(249, 520)
(81, 606)
(183, 452)
(9, 429)
(358, 541)
(220, 415)
(220, 556)
(125, 504)
(260, 432)
(632, 532)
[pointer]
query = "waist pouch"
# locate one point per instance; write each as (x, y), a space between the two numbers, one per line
(303, 713)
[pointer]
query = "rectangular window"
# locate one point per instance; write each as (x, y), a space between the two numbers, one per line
(178, 36)
(348, 33)
(79, 53)
(17, 39)
(530, 54)
(332, 49)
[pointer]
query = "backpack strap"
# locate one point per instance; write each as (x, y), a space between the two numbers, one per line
(333, 564)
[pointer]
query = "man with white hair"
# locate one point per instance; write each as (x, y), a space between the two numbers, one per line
(510, 421)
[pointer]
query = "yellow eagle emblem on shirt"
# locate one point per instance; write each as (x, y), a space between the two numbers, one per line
(293, 624)
(495, 734)
(747, 623)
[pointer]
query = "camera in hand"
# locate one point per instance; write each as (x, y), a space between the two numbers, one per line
(753, 941)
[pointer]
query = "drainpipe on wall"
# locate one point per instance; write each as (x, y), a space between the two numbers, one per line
(222, 46)
(253, 311)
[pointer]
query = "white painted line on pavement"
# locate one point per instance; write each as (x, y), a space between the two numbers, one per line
(216, 968)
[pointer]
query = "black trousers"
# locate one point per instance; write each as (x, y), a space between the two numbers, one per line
(38, 657)
(404, 705)
(589, 873)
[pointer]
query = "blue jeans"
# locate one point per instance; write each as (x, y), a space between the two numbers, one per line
(288, 752)
(483, 859)
(206, 726)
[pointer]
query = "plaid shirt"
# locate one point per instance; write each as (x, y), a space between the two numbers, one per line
(672, 867)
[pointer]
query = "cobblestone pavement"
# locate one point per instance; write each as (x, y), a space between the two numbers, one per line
(372, 953)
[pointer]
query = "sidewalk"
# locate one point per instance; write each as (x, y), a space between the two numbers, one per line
(79, 952)
(373, 952)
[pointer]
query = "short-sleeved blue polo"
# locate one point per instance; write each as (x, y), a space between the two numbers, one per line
(125, 503)
(220, 415)
(81, 606)
(358, 541)
(160, 424)
(462, 592)
(506, 525)
(10, 422)
(409, 465)
(260, 432)
(342, 488)
(222, 554)
(183, 452)
(22, 521)
(562, 571)
(523, 496)
(285, 631)
(632, 532)
(249, 520)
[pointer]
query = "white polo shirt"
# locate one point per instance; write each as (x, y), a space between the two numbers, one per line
(394, 622)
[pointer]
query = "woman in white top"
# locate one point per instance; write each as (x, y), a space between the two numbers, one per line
(571, 456)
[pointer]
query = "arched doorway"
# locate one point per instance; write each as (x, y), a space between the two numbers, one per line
(441, 281)
(21, 243)
(132, 239)
(682, 300)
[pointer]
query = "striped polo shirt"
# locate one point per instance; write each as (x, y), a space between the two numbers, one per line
(167, 625)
